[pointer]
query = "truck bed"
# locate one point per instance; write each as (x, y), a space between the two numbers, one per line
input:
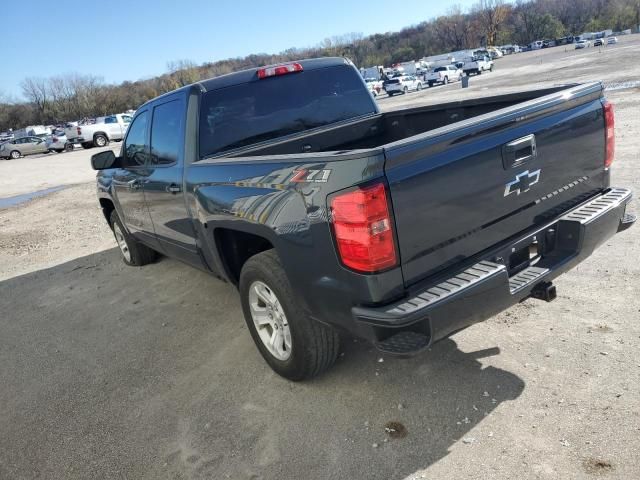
(389, 127)
(449, 167)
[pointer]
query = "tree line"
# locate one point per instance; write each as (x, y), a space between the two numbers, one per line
(489, 22)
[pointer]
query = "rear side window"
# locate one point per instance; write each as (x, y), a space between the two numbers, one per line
(262, 110)
(110, 120)
(135, 148)
(166, 132)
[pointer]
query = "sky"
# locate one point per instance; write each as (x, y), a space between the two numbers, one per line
(131, 40)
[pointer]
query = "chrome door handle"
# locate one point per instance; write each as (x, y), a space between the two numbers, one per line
(133, 184)
(173, 188)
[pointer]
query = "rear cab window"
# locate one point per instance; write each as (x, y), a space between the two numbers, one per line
(261, 110)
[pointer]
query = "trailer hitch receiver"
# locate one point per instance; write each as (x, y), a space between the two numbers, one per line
(544, 291)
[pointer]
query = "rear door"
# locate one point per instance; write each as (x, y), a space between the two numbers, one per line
(465, 187)
(163, 186)
(129, 180)
(38, 145)
(112, 127)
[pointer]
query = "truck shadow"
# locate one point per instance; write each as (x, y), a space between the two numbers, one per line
(151, 373)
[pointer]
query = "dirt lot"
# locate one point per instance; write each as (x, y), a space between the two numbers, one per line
(117, 372)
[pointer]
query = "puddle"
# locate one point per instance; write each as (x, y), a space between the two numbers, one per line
(25, 197)
(621, 85)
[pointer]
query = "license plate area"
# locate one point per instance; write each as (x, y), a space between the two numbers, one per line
(529, 251)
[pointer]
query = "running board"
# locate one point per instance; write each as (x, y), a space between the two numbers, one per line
(525, 278)
(598, 206)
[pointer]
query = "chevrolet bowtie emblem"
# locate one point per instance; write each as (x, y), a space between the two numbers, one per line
(522, 183)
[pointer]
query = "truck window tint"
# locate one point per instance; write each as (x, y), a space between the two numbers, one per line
(110, 120)
(135, 150)
(166, 131)
(262, 110)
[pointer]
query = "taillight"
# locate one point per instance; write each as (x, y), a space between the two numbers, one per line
(363, 229)
(279, 70)
(610, 138)
(79, 130)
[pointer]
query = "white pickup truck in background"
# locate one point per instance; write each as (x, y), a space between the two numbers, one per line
(477, 65)
(100, 133)
(443, 75)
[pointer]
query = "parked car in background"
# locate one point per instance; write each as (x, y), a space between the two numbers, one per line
(598, 42)
(100, 133)
(443, 75)
(612, 40)
(509, 49)
(494, 52)
(402, 84)
(6, 136)
(582, 44)
(23, 146)
(58, 143)
(477, 65)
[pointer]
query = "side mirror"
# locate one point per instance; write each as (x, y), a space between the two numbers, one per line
(104, 160)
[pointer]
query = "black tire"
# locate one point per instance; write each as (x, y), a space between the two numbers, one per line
(139, 254)
(405, 90)
(14, 155)
(419, 87)
(430, 84)
(100, 140)
(478, 72)
(390, 94)
(445, 81)
(314, 346)
(68, 147)
(87, 144)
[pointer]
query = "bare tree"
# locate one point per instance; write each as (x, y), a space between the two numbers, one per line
(36, 91)
(491, 14)
(182, 72)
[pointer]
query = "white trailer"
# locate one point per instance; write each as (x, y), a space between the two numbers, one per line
(372, 72)
(32, 131)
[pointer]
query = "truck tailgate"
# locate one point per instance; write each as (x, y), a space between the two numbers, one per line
(462, 188)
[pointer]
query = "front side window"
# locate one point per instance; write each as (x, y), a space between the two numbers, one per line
(166, 133)
(135, 148)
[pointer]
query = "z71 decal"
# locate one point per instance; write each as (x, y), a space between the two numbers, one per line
(310, 176)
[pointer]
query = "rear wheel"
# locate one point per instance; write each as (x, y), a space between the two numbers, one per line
(390, 94)
(419, 87)
(405, 90)
(430, 84)
(100, 140)
(15, 154)
(445, 81)
(294, 345)
(68, 147)
(133, 252)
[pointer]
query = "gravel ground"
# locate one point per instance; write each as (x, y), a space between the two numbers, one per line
(117, 372)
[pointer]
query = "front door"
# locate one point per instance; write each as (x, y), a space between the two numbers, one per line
(163, 188)
(128, 181)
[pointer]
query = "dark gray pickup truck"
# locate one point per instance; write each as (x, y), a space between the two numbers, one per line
(400, 227)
